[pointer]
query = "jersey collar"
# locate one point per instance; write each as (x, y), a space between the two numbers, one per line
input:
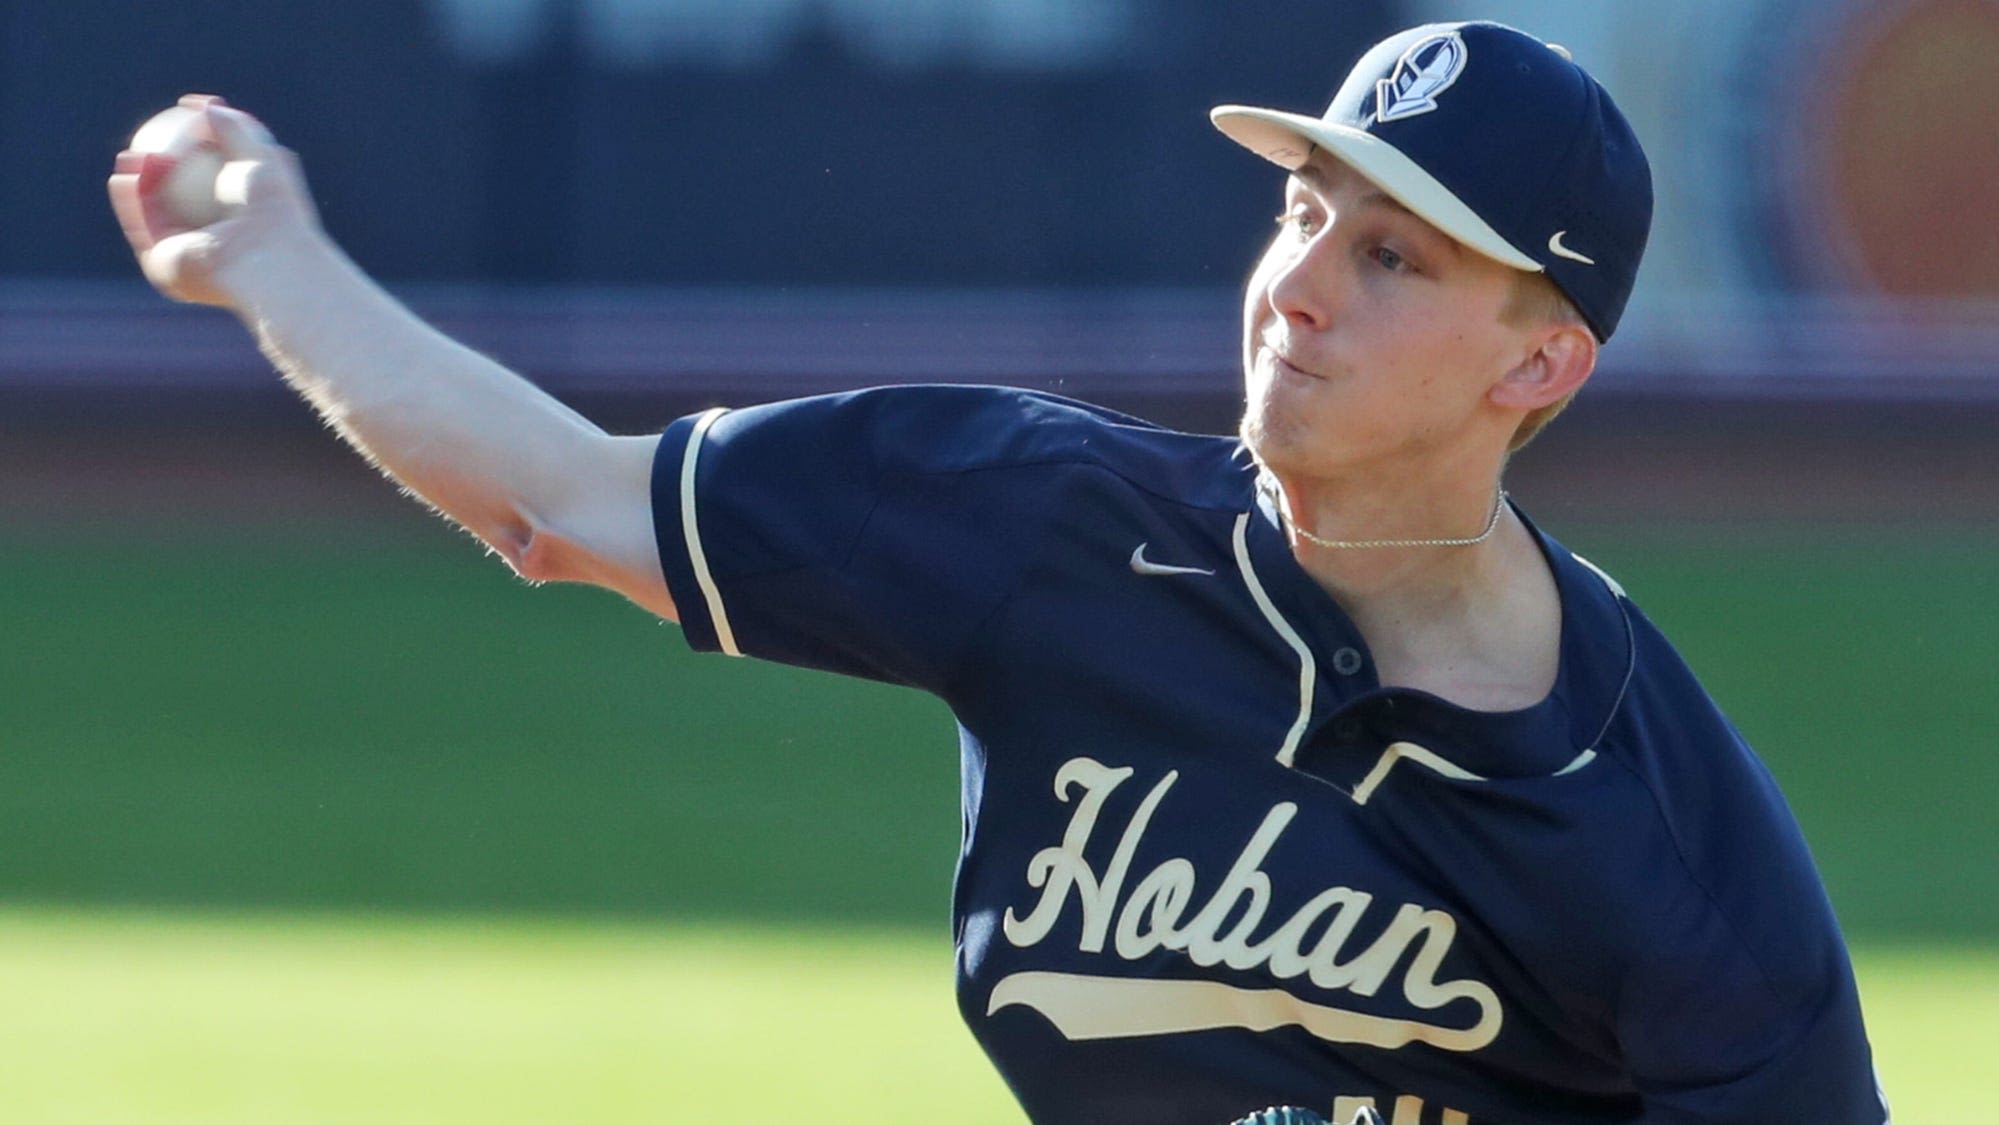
(1595, 665)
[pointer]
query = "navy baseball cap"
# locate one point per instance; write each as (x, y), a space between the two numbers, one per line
(1497, 139)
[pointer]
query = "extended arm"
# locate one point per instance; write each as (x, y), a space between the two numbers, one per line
(546, 489)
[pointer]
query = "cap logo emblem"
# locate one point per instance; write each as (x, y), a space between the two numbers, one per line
(1425, 70)
(1556, 248)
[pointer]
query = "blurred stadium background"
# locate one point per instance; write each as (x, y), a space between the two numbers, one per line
(261, 719)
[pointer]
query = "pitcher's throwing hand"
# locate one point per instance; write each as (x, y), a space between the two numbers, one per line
(261, 198)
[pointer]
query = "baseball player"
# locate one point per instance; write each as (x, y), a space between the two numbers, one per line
(1300, 768)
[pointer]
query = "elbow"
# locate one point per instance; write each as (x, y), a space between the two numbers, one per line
(539, 556)
(528, 549)
(539, 553)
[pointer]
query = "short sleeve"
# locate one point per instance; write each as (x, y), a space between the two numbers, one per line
(1720, 1048)
(1742, 1008)
(869, 533)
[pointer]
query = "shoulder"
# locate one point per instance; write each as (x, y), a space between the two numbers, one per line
(1690, 779)
(1624, 685)
(928, 430)
(1730, 878)
(1653, 715)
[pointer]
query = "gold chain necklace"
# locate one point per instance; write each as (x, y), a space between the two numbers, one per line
(1491, 525)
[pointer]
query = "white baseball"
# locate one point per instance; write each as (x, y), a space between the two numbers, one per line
(189, 190)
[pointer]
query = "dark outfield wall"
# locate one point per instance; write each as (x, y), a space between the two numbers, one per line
(766, 144)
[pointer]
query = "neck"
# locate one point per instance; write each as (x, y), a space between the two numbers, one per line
(1478, 624)
(1362, 541)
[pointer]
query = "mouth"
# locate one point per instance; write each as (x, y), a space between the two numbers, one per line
(1285, 367)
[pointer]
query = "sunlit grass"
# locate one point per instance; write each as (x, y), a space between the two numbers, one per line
(1933, 1016)
(128, 1017)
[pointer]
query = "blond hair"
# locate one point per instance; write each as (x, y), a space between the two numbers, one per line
(1534, 302)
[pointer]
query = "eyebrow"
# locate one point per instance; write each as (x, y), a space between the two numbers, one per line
(1372, 197)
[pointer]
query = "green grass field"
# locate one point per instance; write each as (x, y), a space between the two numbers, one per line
(311, 720)
(115, 1018)
(242, 778)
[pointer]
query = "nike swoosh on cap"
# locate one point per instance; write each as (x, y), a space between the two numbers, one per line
(1556, 248)
(1142, 565)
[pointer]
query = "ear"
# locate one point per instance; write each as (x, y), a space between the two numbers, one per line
(1562, 358)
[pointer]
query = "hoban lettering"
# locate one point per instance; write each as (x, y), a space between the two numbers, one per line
(1159, 911)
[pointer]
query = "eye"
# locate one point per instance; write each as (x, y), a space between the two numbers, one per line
(1391, 261)
(1301, 222)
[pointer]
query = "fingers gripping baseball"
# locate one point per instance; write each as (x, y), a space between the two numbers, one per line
(201, 187)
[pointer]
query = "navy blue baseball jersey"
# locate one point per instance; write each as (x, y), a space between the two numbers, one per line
(1209, 863)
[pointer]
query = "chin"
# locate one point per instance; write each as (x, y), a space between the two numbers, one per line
(1290, 442)
(1274, 444)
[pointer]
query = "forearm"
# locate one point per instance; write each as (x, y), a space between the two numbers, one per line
(554, 495)
(468, 436)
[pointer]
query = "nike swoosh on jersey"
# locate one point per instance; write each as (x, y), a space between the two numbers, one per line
(1141, 565)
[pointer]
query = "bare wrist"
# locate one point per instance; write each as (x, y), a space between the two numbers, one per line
(266, 275)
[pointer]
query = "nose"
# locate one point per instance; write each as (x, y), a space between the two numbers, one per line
(1302, 280)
